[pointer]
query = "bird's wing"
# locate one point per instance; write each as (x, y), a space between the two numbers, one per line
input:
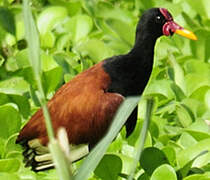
(82, 106)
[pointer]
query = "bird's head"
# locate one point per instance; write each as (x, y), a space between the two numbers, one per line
(158, 22)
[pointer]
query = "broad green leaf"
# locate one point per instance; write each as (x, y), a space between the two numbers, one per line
(188, 154)
(79, 27)
(21, 101)
(205, 176)
(195, 81)
(164, 171)
(9, 165)
(207, 99)
(200, 49)
(22, 59)
(11, 64)
(151, 158)
(126, 161)
(48, 62)
(178, 92)
(201, 7)
(15, 85)
(105, 10)
(48, 40)
(184, 117)
(194, 107)
(49, 17)
(51, 79)
(186, 140)
(46, 21)
(200, 93)
(178, 73)
(10, 120)
(9, 176)
(20, 30)
(125, 31)
(170, 154)
(106, 165)
(161, 87)
(199, 130)
(19, 61)
(196, 66)
(97, 153)
(96, 49)
(186, 168)
(7, 20)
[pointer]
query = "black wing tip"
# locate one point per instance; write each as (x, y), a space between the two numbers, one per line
(29, 154)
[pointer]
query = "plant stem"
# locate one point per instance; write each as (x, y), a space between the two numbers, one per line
(143, 135)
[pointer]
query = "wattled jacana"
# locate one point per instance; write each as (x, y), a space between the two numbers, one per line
(85, 106)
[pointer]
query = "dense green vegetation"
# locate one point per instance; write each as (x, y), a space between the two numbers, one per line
(76, 34)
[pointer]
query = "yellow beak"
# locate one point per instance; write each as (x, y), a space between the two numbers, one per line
(186, 33)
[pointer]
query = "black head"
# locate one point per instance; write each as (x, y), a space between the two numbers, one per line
(156, 22)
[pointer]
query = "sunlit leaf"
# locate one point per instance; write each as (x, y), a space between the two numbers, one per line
(7, 20)
(10, 120)
(164, 171)
(106, 165)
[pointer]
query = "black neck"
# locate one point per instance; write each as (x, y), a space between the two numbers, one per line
(130, 72)
(144, 45)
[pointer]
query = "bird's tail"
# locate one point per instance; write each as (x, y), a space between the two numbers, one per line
(39, 158)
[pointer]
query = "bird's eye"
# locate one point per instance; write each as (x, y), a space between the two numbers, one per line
(158, 18)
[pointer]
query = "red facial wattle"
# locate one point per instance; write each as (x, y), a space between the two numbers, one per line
(171, 27)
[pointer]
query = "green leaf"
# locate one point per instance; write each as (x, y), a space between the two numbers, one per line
(15, 85)
(97, 153)
(207, 99)
(125, 31)
(186, 140)
(79, 26)
(106, 165)
(170, 154)
(50, 17)
(201, 7)
(205, 176)
(9, 176)
(200, 49)
(7, 20)
(96, 49)
(178, 92)
(48, 62)
(32, 40)
(184, 116)
(151, 158)
(10, 120)
(105, 10)
(51, 79)
(9, 165)
(21, 101)
(144, 177)
(164, 171)
(186, 155)
(194, 81)
(178, 73)
(184, 170)
(161, 87)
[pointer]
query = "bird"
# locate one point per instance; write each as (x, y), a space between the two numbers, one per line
(86, 105)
